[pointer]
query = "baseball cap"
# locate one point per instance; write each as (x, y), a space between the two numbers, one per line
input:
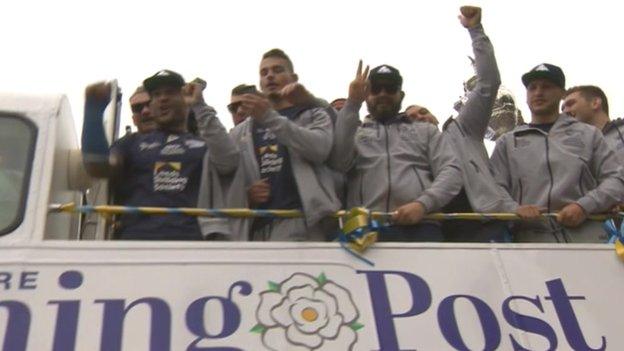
(385, 74)
(547, 71)
(161, 78)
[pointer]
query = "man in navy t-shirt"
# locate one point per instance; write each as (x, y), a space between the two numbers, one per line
(162, 168)
(284, 146)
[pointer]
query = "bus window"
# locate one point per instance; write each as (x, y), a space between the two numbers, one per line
(17, 142)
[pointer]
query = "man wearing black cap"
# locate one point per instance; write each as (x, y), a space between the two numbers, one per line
(556, 164)
(168, 167)
(393, 164)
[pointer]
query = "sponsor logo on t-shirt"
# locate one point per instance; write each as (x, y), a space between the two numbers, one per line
(270, 161)
(148, 146)
(172, 149)
(167, 177)
(194, 144)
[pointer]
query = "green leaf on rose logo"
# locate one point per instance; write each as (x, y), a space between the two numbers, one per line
(273, 286)
(258, 328)
(356, 326)
(321, 279)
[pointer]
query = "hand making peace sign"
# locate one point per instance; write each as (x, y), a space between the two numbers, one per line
(359, 87)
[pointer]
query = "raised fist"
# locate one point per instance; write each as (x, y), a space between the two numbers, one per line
(99, 92)
(193, 92)
(470, 16)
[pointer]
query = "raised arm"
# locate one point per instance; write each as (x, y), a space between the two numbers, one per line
(343, 154)
(98, 160)
(474, 115)
(222, 149)
(312, 141)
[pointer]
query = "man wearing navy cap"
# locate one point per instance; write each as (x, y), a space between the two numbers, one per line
(168, 167)
(556, 164)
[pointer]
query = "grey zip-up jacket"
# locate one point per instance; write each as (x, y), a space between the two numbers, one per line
(308, 139)
(221, 158)
(572, 163)
(614, 134)
(466, 132)
(391, 164)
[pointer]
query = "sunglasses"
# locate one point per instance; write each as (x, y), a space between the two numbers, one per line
(390, 89)
(233, 107)
(137, 108)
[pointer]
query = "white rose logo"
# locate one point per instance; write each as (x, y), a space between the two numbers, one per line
(307, 313)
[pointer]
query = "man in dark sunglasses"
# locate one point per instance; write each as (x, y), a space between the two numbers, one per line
(392, 163)
(141, 115)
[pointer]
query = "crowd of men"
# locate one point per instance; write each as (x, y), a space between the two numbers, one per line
(291, 150)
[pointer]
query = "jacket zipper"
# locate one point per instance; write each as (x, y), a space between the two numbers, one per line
(474, 164)
(211, 188)
(581, 179)
(361, 189)
(422, 185)
(389, 174)
(521, 191)
(549, 170)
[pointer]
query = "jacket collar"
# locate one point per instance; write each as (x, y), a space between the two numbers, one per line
(562, 122)
(613, 124)
(400, 118)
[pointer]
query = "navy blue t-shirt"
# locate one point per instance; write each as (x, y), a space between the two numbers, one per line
(159, 170)
(545, 127)
(274, 165)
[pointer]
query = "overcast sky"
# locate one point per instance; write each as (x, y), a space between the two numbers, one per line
(61, 46)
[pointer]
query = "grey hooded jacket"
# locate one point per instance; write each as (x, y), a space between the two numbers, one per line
(391, 164)
(571, 164)
(221, 158)
(308, 139)
(465, 133)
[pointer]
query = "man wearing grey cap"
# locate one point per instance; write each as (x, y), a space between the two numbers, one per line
(556, 164)
(392, 163)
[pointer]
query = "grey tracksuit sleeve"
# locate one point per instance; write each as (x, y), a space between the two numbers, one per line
(447, 174)
(223, 151)
(312, 142)
(347, 122)
(605, 167)
(475, 114)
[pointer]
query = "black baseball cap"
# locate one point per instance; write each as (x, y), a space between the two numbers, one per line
(161, 78)
(385, 74)
(547, 71)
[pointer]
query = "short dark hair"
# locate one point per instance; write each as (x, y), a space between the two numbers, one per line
(279, 53)
(590, 92)
(242, 89)
(140, 89)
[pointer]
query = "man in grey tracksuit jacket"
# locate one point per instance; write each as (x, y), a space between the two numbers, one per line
(558, 164)
(392, 163)
(465, 134)
(589, 104)
(306, 135)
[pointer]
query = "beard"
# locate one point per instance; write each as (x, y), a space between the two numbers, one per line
(383, 109)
